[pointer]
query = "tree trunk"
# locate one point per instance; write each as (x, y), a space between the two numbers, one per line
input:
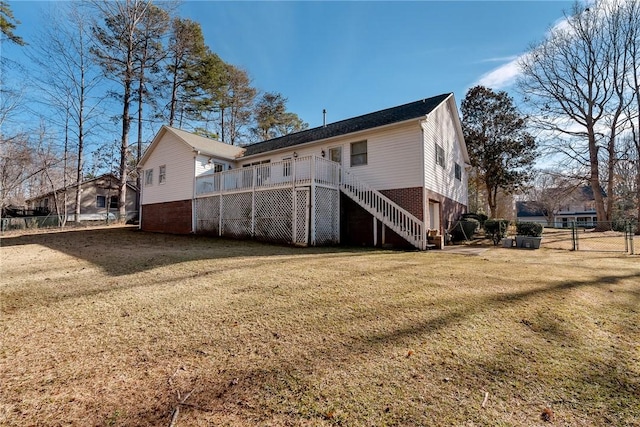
(594, 177)
(80, 149)
(124, 147)
(492, 195)
(139, 147)
(174, 94)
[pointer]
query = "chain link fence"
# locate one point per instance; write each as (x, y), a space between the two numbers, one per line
(594, 237)
(59, 221)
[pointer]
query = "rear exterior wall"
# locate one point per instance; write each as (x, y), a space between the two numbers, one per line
(179, 162)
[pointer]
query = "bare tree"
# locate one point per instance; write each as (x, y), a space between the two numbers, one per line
(69, 79)
(551, 190)
(626, 177)
(22, 160)
(118, 42)
(576, 81)
(631, 11)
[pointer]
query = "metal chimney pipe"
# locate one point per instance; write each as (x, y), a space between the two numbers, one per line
(324, 118)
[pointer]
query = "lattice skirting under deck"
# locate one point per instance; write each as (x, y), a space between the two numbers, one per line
(275, 215)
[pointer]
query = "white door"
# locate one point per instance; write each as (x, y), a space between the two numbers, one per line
(434, 215)
(335, 154)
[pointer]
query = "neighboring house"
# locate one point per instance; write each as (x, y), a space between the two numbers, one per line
(98, 198)
(577, 206)
(384, 178)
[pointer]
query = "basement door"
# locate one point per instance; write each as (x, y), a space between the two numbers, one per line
(434, 215)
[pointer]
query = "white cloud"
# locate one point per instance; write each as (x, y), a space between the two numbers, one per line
(506, 75)
(501, 77)
(500, 59)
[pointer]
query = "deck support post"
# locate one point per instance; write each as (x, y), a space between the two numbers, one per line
(294, 212)
(312, 202)
(220, 216)
(375, 232)
(253, 200)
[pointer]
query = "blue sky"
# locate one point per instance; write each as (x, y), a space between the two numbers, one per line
(356, 57)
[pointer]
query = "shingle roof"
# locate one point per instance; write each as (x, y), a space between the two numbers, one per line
(110, 176)
(388, 116)
(208, 145)
(528, 209)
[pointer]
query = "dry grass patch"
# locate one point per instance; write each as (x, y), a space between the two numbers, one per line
(116, 327)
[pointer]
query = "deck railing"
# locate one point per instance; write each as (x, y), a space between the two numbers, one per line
(384, 209)
(318, 171)
(300, 172)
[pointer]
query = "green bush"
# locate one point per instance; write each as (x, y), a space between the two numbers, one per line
(464, 229)
(477, 216)
(531, 229)
(496, 229)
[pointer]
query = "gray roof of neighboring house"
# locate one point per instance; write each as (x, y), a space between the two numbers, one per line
(376, 119)
(529, 209)
(105, 176)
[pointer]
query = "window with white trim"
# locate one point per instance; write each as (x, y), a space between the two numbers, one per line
(458, 172)
(101, 202)
(162, 174)
(148, 177)
(439, 155)
(286, 166)
(359, 153)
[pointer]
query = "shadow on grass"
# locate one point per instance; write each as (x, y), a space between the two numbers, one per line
(604, 389)
(120, 252)
(125, 250)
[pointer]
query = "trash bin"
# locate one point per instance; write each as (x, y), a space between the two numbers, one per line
(507, 242)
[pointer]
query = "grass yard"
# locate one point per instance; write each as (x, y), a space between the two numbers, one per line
(117, 327)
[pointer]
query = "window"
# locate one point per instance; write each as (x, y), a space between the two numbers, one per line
(256, 163)
(286, 166)
(101, 202)
(218, 167)
(335, 154)
(359, 153)
(439, 155)
(162, 174)
(113, 202)
(148, 177)
(458, 172)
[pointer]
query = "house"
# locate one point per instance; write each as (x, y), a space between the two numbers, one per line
(577, 205)
(383, 178)
(98, 198)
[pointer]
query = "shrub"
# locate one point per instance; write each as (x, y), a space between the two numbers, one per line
(496, 229)
(477, 216)
(531, 229)
(464, 229)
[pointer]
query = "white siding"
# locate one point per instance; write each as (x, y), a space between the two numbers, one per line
(439, 128)
(205, 164)
(179, 159)
(393, 155)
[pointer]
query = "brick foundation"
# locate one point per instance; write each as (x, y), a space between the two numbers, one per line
(409, 199)
(357, 224)
(450, 210)
(169, 217)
